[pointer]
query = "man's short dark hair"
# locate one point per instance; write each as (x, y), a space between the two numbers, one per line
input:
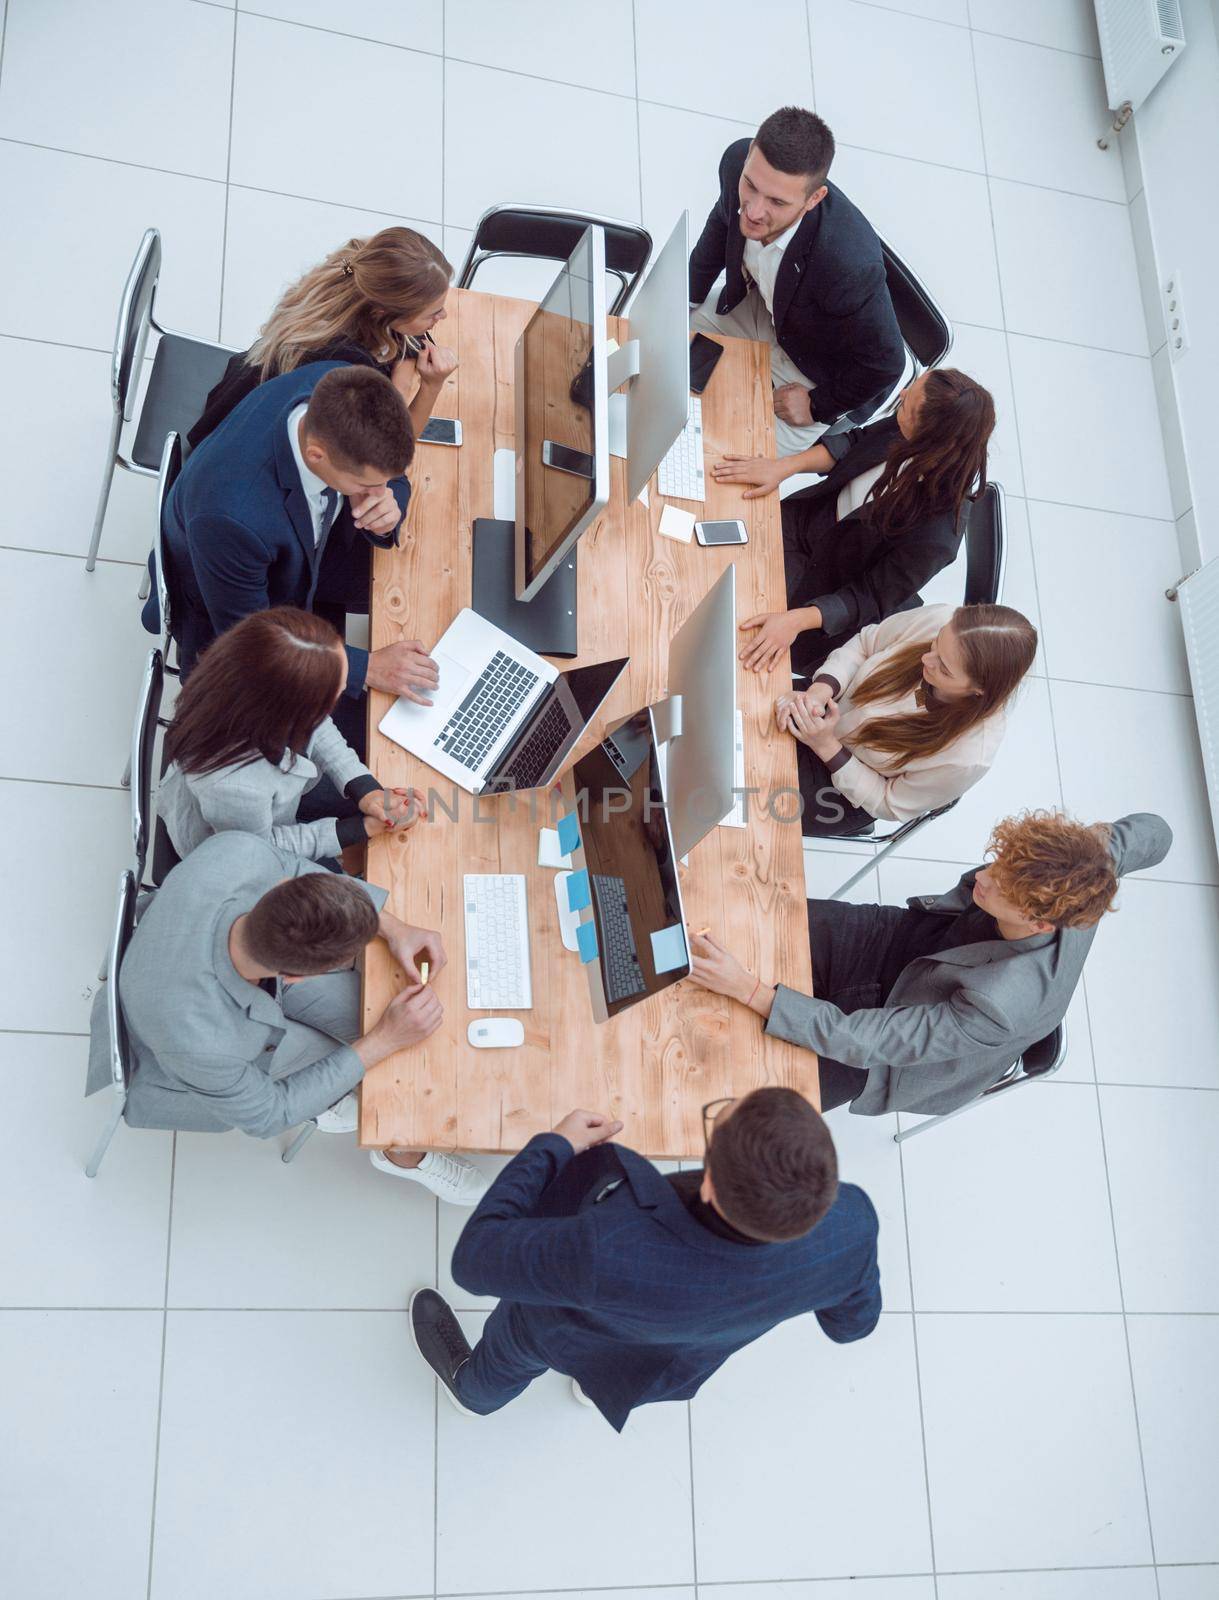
(797, 141)
(308, 925)
(362, 420)
(773, 1165)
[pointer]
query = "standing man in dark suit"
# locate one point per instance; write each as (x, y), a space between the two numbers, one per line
(639, 1286)
(280, 505)
(804, 272)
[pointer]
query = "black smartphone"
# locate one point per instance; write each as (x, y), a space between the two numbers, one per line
(441, 430)
(704, 353)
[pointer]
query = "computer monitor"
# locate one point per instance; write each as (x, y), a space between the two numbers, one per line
(524, 577)
(658, 352)
(627, 848)
(700, 759)
(562, 429)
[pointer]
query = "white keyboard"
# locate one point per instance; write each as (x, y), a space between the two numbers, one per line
(497, 942)
(680, 474)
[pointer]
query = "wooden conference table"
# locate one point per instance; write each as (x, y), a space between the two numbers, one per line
(656, 1064)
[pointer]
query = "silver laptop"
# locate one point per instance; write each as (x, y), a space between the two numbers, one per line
(502, 718)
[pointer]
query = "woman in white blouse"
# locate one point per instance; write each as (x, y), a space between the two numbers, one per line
(907, 715)
(252, 736)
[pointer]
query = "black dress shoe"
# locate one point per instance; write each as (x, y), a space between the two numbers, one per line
(440, 1341)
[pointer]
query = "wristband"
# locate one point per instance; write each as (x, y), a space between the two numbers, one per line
(753, 991)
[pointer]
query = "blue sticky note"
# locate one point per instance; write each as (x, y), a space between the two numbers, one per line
(669, 948)
(569, 834)
(586, 941)
(578, 894)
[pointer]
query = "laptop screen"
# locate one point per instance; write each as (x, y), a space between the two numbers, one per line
(562, 713)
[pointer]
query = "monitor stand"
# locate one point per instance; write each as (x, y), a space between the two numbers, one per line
(547, 623)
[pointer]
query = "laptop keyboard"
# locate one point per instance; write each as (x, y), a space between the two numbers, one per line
(620, 959)
(530, 762)
(479, 721)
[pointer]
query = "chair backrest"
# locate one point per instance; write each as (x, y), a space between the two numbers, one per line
(1047, 1055)
(924, 327)
(120, 937)
(135, 319)
(985, 548)
(544, 231)
(171, 465)
(143, 748)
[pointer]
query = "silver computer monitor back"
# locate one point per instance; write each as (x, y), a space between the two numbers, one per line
(700, 765)
(562, 400)
(658, 400)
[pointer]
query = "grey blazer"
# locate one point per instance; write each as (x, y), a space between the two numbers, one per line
(210, 1050)
(956, 1020)
(260, 797)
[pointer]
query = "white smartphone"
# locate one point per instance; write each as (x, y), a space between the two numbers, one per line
(441, 430)
(721, 532)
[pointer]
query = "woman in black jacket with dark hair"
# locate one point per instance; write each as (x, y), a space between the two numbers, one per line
(888, 515)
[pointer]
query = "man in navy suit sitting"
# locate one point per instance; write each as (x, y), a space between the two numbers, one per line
(639, 1286)
(280, 505)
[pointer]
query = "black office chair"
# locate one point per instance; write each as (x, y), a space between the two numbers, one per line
(1038, 1061)
(184, 371)
(986, 548)
(120, 1061)
(926, 331)
(171, 465)
(140, 763)
(551, 235)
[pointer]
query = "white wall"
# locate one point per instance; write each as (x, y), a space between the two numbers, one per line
(1171, 150)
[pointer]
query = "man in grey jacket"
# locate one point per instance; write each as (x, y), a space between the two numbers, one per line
(242, 1004)
(924, 1008)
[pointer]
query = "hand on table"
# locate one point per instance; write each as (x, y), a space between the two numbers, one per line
(761, 471)
(405, 669)
(714, 968)
(412, 1016)
(410, 945)
(774, 634)
(814, 723)
(583, 1129)
(396, 810)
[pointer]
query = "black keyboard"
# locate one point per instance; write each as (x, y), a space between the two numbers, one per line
(479, 721)
(529, 764)
(620, 959)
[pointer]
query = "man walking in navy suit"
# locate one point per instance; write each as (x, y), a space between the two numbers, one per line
(639, 1286)
(280, 505)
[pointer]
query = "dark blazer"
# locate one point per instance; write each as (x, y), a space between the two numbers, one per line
(851, 572)
(637, 1300)
(832, 311)
(241, 379)
(238, 528)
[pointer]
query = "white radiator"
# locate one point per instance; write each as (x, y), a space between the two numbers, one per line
(1198, 597)
(1139, 41)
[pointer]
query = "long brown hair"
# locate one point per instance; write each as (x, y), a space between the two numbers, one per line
(998, 645)
(944, 462)
(259, 689)
(355, 293)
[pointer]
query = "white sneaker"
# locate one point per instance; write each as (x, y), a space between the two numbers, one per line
(578, 1394)
(449, 1177)
(343, 1116)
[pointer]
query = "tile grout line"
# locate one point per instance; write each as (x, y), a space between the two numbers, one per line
(1121, 1291)
(991, 33)
(228, 169)
(638, 119)
(479, 1311)
(156, 1456)
(812, 70)
(3, 39)
(918, 1368)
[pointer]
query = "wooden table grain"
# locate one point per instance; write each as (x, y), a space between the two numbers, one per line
(656, 1064)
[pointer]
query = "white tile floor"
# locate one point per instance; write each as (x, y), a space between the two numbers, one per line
(207, 1388)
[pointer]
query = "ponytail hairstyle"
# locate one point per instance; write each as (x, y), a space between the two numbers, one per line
(998, 645)
(259, 689)
(944, 462)
(356, 293)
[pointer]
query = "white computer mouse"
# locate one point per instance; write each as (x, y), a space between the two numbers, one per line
(496, 1033)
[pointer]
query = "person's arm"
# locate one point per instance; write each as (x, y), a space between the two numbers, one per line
(240, 802)
(710, 253)
(504, 1251)
(857, 1315)
(434, 365)
(907, 562)
(244, 1096)
(861, 348)
(766, 473)
(900, 1036)
(905, 794)
(231, 564)
(1139, 841)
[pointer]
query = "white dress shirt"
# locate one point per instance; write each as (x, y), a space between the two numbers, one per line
(761, 264)
(315, 489)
